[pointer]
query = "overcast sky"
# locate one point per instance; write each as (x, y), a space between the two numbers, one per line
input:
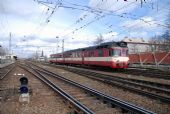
(35, 25)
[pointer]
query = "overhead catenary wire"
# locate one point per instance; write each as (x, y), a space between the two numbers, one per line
(81, 18)
(89, 8)
(93, 10)
(135, 18)
(96, 19)
(148, 22)
(135, 24)
(41, 19)
(102, 16)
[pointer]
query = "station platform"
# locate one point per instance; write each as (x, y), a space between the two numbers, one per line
(5, 64)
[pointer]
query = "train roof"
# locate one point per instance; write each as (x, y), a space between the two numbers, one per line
(102, 45)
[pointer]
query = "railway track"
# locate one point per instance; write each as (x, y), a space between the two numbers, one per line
(153, 90)
(6, 90)
(104, 103)
(152, 73)
(79, 108)
(148, 73)
(5, 70)
(43, 100)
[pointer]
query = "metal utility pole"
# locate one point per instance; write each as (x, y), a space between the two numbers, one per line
(42, 54)
(10, 43)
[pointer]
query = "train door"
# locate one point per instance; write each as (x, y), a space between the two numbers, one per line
(106, 56)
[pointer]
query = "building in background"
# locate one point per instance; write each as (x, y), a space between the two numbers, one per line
(137, 45)
(6, 58)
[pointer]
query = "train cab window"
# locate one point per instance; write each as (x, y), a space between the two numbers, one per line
(116, 52)
(100, 53)
(127, 52)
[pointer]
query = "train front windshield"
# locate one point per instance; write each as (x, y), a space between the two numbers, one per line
(119, 52)
(116, 52)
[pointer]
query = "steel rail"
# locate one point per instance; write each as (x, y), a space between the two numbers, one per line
(109, 81)
(148, 73)
(149, 84)
(112, 100)
(151, 74)
(159, 85)
(6, 73)
(57, 89)
(165, 88)
(133, 82)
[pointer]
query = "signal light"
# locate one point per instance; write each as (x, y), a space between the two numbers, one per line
(23, 80)
(23, 89)
(24, 85)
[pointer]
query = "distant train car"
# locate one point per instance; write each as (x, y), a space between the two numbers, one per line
(110, 54)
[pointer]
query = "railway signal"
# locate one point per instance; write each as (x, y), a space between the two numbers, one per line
(24, 85)
(24, 90)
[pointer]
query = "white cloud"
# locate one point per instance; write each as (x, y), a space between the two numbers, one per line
(110, 36)
(142, 23)
(114, 5)
(139, 34)
(20, 7)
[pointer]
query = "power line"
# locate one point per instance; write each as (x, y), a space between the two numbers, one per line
(81, 18)
(97, 18)
(105, 12)
(143, 20)
(92, 10)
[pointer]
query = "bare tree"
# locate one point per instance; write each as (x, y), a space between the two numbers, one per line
(166, 35)
(98, 40)
(163, 39)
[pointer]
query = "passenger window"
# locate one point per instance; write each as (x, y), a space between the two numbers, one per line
(91, 54)
(110, 52)
(100, 53)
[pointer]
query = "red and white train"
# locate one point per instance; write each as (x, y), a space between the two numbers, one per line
(110, 54)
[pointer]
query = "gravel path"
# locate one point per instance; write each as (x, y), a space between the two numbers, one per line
(42, 100)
